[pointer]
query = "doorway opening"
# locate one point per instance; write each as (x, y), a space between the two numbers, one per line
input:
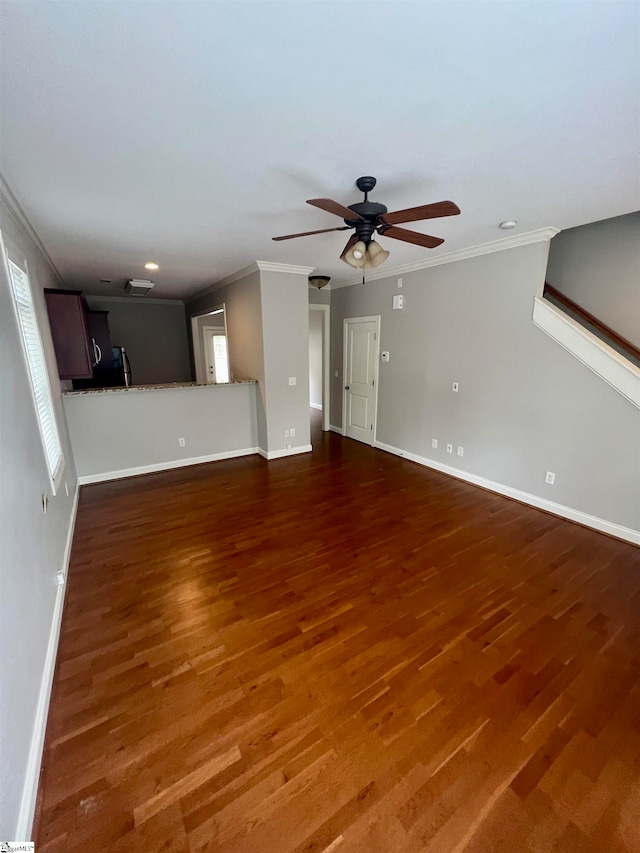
(211, 347)
(319, 361)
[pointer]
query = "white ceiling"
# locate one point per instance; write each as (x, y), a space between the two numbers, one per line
(190, 133)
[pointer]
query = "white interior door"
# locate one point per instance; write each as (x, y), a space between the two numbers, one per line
(360, 378)
(216, 355)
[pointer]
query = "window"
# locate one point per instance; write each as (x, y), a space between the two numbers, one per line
(221, 358)
(20, 287)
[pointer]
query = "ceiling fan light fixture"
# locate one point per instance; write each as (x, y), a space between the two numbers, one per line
(355, 256)
(376, 255)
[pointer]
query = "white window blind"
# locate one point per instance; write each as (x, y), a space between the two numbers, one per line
(36, 363)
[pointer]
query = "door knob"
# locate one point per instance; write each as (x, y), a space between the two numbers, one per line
(346, 387)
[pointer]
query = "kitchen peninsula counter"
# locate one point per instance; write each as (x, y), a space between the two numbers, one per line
(122, 432)
(158, 387)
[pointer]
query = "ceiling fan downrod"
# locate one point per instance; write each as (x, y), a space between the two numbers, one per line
(367, 211)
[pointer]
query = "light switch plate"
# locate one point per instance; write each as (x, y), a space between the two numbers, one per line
(293, 380)
(398, 301)
(384, 356)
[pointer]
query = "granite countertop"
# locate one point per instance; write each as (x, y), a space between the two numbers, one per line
(160, 387)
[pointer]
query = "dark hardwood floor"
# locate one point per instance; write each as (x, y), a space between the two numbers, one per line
(341, 651)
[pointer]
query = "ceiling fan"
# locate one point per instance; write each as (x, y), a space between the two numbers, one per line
(370, 217)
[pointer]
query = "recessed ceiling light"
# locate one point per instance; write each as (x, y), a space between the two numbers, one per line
(151, 266)
(508, 224)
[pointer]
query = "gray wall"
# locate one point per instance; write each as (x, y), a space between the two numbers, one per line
(598, 266)
(32, 544)
(525, 405)
(319, 296)
(118, 430)
(243, 308)
(268, 338)
(154, 335)
(285, 328)
(315, 357)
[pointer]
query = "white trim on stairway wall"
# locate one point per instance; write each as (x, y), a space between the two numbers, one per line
(603, 360)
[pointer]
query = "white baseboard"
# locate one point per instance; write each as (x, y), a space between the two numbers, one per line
(29, 798)
(279, 454)
(316, 406)
(164, 466)
(335, 429)
(617, 530)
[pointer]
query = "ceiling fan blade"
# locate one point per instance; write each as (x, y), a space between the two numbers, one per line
(425, 211)
(309, 233)
(333, 207)
(425, 240)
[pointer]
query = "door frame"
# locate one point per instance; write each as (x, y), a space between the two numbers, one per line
(326, 363)
(376, 319)
(197, 341)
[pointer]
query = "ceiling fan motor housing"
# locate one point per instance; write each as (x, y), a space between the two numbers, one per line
(369, 211)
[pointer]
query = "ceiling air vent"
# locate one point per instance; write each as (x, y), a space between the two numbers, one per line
(138, 287)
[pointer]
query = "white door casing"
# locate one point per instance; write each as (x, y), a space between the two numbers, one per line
(326, 366)
(360, 372)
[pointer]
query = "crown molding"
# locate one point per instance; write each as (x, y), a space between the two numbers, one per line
(135, 299)
(256, 266)
(268, 266)
(538, 236)
(20, 218)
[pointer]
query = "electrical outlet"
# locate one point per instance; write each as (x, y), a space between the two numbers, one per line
(286, 433)
(293, 380)
(288, 447)
(292, 433)
(335, 373)
(434, 442)
(454, 386)
(449, 448)
(181, 442)
(460, 451)
(60, 578)
(550, 478)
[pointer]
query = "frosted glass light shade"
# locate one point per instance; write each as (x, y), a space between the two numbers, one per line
(351, 255)
(376, 255)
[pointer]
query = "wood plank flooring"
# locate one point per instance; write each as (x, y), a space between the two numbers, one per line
(341, 652)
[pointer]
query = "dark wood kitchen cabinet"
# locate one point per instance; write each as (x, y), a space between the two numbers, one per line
(100, 341)
(67, 311)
